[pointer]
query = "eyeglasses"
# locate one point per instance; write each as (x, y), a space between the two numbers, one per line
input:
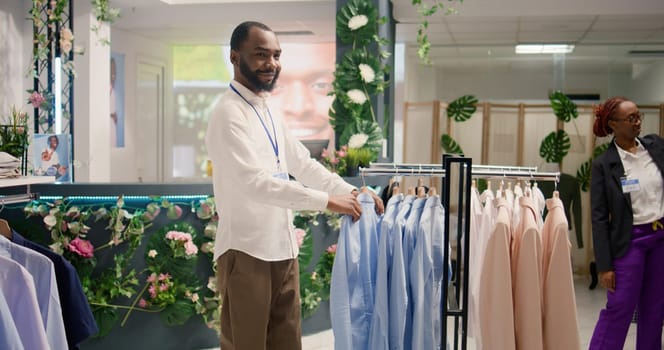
(633, 118)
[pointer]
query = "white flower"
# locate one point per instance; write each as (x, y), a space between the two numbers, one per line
(152, 253)
(357, 140)
(357, 22)
(50, 220)
(194, 297)
(357, 96)
(367, 73)
(66, 34)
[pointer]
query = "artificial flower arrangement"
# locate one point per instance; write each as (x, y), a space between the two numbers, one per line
(357, 78)
(169, 284)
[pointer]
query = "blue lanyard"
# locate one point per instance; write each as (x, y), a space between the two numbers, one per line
(273, 142)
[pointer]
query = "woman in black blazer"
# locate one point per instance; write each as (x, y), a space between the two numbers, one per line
(627, 200)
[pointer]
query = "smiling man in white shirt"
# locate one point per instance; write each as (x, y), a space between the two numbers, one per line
(253, 154)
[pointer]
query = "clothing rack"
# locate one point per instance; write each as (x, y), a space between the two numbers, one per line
(466, 170)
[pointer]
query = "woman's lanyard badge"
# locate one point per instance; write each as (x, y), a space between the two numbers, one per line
(273, 141)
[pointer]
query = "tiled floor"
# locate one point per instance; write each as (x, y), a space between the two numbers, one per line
(589, 303)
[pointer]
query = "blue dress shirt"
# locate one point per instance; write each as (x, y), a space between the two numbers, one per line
(409, 242)
(398, 291)
(9, 337)
(379, 334)
(354, 278)
(78, 319)
(426, 276)
(18, 288)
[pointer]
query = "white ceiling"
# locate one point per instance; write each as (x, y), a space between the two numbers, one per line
(603, 30)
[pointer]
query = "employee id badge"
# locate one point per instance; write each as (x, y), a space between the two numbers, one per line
(281, 175)
(630, 185)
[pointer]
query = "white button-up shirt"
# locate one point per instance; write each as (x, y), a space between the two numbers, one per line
(254, 206)
(648, 201)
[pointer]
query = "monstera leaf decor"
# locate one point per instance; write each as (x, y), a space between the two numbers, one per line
(563, 107)
(450, 145)
(462, 108)
(367, 127)
(555, 146)
(583, 173)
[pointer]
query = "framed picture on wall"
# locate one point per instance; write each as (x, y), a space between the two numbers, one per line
(51, 156)
(117, 99)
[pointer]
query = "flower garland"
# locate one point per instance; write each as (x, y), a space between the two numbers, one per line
(107, 288)
(168, 284)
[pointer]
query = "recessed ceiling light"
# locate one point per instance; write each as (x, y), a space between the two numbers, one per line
(543, 48)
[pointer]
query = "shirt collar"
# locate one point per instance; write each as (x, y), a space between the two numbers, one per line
(254, 99)
(624, 154)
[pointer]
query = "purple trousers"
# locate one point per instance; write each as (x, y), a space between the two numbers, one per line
(640, 286)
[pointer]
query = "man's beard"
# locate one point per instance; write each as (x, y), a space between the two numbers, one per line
(253, 79)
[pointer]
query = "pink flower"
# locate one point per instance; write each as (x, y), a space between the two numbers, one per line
(142, 303)
(163, 276)
(163, 287)
(190, 248)
(344, 148)
(152, 278)
(299, 235)
(335, 161)
(36, 99)
(81, 247)
(153, 291)
(325, 153)
(341, 153)
(332, 249)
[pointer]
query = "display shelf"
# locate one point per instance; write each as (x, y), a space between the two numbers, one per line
(26, 180)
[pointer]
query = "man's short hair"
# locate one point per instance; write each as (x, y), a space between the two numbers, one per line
(241, 32)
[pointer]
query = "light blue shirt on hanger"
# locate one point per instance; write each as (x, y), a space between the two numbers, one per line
(409, 242)
(43, 274)
(354, 278)
(426, 276)
(379, 335)
(398, 291)
(9, 337)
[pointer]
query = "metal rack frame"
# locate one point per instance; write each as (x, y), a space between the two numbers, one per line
(466, 171)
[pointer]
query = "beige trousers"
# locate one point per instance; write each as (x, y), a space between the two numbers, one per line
(260, 303)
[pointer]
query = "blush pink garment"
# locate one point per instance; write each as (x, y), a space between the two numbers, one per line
(527, 279)
(559, 313)
(495, 291)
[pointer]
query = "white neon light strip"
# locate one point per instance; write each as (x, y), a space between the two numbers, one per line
(57, 92)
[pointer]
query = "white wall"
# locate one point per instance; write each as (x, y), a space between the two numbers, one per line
(136, 49)
(15, 33)
(522, 85)
(648, 84)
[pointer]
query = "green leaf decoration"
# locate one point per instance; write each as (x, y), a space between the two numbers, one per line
(347, 75)
(105, 317)
(563, 107)
(583, 175)
(180, 268)
(363, 35)
(462, 108)
(306, 250)
(584, 171)
(449, 145)
(600, 149)
(555, 146)
(178, 313)
(369, 128)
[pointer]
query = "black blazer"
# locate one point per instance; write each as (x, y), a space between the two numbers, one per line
(612, 216)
